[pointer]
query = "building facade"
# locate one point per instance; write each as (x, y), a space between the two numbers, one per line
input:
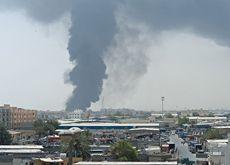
(198, 119)
(51, 115)
(16, 118)
(77, 114)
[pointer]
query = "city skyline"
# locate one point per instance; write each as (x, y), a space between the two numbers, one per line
(188, 68)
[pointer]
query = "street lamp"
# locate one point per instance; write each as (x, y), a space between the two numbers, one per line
(162, 105)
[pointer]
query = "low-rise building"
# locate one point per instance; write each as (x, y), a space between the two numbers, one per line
(197, 119)
(227, 152)
(19, 154)
(16, 118)
(51, 115)
(77, 114)
(97, 126)
(223, 130)
(216, 150)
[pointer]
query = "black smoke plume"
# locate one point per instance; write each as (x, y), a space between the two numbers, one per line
(92, 30)
(94, 26)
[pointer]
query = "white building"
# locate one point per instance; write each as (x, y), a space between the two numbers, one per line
(77, 114)
(227, 152)
(197, 119)
(217, 151)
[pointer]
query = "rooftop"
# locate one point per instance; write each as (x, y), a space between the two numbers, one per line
(126, 163)
(21, 151)
(2, 147)
(112, 124)
(223, 127)
(49, 160)
(217, 141)
(72, 131)
(207, 118)
(144, 129)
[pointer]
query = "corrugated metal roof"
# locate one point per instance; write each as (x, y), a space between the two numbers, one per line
(2, 147)
(126, 163)
(112, 124)
(144, 129)
(21, 151)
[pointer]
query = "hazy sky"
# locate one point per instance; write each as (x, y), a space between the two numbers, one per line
(189, 70)
(33, 62)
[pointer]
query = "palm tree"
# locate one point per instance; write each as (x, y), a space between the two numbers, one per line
(124, 151)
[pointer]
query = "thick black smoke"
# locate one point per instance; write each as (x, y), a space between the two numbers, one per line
(92, 30)
(94, 26)
(44, 11)
(208, 18)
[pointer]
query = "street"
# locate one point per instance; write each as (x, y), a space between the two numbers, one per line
(182, 149)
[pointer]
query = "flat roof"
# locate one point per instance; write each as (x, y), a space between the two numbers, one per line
(3, 147)
(111, 124)
(49, 160)
(126, 163)
(160, 114)
(204, 124)
(144, 129)
(13, 132)
(217, 141)
(216, 153)
(165, 145)
(153, 148)
(21, 151)
(106, 126)
(206, 118)
(222, 127)
(102, 146)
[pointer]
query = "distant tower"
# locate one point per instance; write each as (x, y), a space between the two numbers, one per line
(162, 105)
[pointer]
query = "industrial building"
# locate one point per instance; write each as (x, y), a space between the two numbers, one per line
(107, 126)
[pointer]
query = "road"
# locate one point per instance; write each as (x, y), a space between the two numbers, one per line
(182, 149)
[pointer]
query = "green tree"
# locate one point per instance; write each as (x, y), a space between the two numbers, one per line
(44, 128)
(183, 120)
(211, 134)
(124, 151)
(51, 126)
(5, 137)
(159, 117)
(82, 144)
(38, 127)
(168, 115)
(211, 114)
(78, 145)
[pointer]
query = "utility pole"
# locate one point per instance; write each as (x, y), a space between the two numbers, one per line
(162, 105)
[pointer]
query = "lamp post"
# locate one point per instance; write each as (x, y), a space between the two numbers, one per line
(162, 105)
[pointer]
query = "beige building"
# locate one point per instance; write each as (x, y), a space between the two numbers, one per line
(16, 118)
